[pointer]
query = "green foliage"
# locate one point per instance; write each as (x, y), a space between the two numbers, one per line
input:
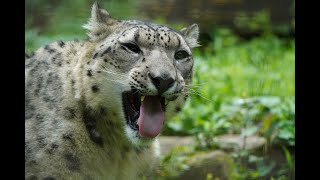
(289, 159)
(243, 84)
(243, 87)
(173, 163)
(252, 166)
(261, 169)
(34, 39)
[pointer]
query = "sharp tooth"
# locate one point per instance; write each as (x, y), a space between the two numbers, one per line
(142, 98)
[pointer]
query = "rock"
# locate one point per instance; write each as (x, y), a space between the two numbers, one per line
(168, 142)
(229, 142)
(214, 164)
(236, 142)
(201, 165)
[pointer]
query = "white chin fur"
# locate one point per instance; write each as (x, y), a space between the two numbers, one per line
(135, 139)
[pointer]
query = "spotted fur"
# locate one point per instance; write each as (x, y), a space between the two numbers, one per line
(75, 127)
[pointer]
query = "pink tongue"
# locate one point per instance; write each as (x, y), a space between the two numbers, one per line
(151, 117)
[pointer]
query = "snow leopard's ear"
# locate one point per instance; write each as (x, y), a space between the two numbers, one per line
(100, 22)
(191, 35)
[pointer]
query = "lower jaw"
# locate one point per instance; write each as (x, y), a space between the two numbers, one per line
(138, 141)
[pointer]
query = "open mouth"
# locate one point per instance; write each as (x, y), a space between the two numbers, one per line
(144, 114)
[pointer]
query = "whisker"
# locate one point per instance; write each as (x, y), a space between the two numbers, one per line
(191, 89)
(114, 76)
(135, 92)
(113, 73)
(117, 77)
(134, 110)
(196, 93)
(193, 85)
(105, 69)
(117, 81)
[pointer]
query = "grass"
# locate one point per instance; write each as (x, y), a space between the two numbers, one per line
(262, 66)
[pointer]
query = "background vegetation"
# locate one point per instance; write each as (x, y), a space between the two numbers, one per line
(241, 86)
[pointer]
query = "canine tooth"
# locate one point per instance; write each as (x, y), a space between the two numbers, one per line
(142, 98)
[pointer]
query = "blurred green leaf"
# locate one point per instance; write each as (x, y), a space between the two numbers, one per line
(249, 131)
(288, 157)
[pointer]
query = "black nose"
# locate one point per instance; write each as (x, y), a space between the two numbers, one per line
(162, 82)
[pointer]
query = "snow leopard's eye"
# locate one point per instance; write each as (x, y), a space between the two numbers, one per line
(181, 55)
(132, 47)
